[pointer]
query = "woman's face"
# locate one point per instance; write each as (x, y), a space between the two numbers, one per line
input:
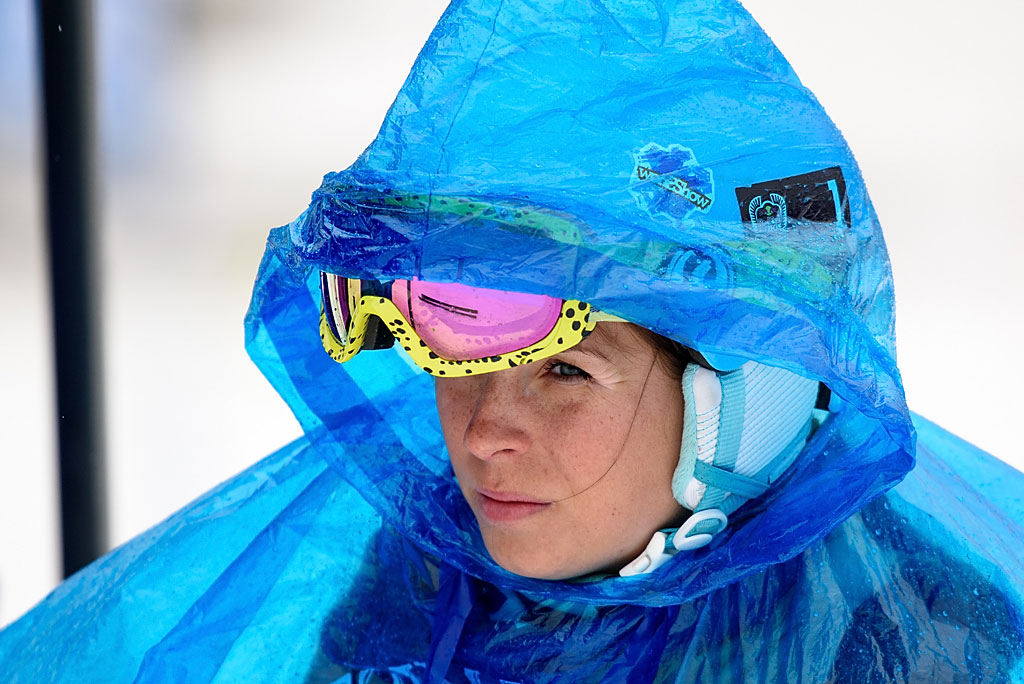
(567, 462)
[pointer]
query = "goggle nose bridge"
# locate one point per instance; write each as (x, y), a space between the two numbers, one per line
(377, 334)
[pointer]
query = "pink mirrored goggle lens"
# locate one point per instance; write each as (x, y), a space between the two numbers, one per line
(459, 322)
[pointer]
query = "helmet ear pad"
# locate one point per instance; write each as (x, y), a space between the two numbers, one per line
(741, 430)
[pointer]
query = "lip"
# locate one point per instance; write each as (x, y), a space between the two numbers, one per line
(508, 506)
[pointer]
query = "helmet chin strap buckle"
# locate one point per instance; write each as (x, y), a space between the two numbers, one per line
(667, 543)
(654, 556)
(687, 538)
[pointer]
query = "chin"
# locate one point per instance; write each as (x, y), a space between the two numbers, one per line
(535, 560)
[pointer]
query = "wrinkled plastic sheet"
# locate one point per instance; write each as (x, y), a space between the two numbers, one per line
(284, 574)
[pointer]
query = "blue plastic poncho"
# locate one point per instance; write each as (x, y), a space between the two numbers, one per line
(661, 161)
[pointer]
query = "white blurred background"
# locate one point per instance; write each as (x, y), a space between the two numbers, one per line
(218, 119)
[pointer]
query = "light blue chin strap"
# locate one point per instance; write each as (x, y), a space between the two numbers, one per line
(741, 430)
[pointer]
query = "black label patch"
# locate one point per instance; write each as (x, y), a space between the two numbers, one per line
(779, 205)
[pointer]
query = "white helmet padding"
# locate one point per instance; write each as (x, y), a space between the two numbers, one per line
(741, 431)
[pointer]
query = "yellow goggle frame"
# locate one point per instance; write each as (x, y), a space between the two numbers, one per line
(575, 321)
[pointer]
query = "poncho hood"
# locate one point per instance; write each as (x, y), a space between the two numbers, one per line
(658, 160)
(662, 162)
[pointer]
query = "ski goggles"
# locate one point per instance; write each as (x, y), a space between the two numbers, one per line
(449, 329)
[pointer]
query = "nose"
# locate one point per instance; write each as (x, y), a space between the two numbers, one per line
(498, 426)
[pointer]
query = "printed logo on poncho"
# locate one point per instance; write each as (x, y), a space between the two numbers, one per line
(670, 182)
(779, 205)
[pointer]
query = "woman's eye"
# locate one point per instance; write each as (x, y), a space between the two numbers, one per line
(562, 370)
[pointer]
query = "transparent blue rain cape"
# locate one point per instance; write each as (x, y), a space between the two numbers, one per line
(661, 161)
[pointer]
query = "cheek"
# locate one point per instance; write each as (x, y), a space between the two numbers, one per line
(454, 409)
(574, 441)
(455, 402)
(583, 440)
(614, 519)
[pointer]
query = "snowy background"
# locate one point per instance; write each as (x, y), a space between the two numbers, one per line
(218, 119)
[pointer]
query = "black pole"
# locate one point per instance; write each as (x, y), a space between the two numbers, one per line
(65, 38)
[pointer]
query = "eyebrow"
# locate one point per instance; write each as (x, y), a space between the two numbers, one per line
(584, 348)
